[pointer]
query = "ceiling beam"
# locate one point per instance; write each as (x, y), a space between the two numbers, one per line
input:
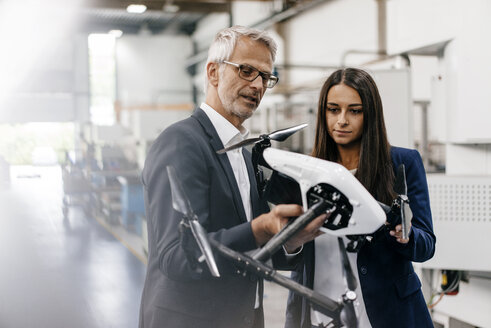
(185, 6)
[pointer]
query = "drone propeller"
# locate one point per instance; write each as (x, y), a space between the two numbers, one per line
(181, 204)
(348, 314)
(279, 135)
(348, 274)
(402, 201)
(400, 186)
(179, 201)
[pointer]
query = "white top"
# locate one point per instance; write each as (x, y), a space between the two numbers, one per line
(328, 277)
(230, 135)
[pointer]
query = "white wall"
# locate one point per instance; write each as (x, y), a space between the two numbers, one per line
(202, 38)
(248, 13)
(43, 76)
(55, 88)
(468, 63)
(207, 28)
(459, 114)
(414, 24)
(321, 36)
(151, 70)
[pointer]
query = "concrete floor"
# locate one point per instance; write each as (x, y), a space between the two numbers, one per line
(60, 272)
(72, 272)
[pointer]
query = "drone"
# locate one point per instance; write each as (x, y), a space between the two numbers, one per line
(318, 185)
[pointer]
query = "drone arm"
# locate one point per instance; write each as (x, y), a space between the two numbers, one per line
(290, 229)
(327, 306)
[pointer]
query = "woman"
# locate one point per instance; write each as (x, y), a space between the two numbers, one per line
(351, 131)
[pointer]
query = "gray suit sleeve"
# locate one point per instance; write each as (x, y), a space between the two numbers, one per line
(190, 155)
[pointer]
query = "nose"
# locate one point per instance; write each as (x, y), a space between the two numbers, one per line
(258, 83)
(342, 119)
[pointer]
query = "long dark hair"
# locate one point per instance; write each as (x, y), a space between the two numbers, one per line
(375, 170)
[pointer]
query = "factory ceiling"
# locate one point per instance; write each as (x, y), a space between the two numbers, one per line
(168, 16)
(94, 20)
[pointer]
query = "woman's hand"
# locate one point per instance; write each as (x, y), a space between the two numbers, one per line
(397, 233)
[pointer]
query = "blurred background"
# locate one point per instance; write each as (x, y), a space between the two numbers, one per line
(87, 85)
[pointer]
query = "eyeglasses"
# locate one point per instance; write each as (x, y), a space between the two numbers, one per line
(250, 73)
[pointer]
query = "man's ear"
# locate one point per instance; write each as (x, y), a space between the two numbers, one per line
(212, 73)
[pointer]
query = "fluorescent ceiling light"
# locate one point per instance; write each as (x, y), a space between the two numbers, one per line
(116, 33)
(136, 9)
(171, 8)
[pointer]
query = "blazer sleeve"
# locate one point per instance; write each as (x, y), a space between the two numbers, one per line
(186, 151)
(421, 246)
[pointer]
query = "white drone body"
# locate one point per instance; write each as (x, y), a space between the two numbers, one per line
(367, 215)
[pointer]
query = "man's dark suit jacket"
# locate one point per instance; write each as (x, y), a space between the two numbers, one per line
(390, 287)
(174, 295)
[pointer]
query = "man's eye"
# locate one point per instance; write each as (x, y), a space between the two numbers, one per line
(247, 71)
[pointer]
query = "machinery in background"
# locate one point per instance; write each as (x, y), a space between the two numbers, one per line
(104, 179)
(76, 185)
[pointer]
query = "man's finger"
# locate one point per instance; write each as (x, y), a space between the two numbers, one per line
(316, 223)
(288, 210)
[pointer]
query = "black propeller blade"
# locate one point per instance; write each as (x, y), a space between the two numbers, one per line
(348, 314)
(179, 201)
(243, 143)
(283, 134)
(279, 135)
(348, 274)
(181, 204)
(400, 187)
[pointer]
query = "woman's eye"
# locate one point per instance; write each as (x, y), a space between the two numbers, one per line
(332, 109)
(356, 111)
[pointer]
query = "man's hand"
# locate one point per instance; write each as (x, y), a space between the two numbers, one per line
(265, 226)
(310, 232)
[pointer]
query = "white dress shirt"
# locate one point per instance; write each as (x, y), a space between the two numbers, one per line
(230, 135)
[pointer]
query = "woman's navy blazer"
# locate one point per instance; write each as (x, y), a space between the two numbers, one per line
(391, 289)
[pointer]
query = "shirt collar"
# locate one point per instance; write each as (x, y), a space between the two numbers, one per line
(227, 132)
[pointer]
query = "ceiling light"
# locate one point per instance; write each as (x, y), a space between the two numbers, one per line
(171, 8)
(136, 9)
(116, 33)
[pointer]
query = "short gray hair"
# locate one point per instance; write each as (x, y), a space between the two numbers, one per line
(225, 40)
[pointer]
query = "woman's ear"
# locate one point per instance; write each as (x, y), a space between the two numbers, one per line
(212, 73)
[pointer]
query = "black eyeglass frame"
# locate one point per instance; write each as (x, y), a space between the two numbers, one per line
(271, 80)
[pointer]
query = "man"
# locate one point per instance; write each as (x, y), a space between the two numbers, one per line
(222, 191)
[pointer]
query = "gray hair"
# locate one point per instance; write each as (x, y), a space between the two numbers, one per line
(224, 44)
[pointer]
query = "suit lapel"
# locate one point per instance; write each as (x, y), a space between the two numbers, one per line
(256, 208)
(216, 144)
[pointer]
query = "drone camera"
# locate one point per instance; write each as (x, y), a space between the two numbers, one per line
(341, 209)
